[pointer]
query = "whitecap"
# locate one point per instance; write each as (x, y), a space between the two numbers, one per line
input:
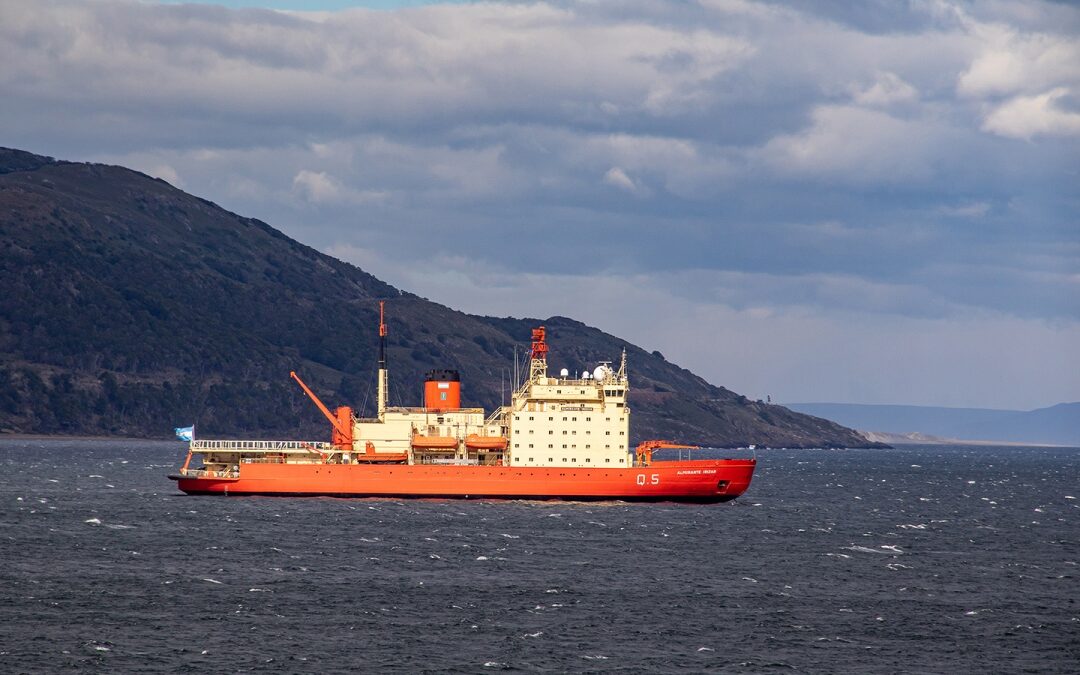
(494, 664)
(93, 521)
(53, 480)
(863, 549)
(889, 547)
(510, 536)
(258, 590)
(94, 475)
(120, 527)
(706, 649)
(533, 635)
(597, 657)
(481, 557)
(971, 613)
(100, 648)
(213, 581)
(750, 579)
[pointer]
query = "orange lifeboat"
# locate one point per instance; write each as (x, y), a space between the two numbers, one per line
(434, 442)
(485, 442)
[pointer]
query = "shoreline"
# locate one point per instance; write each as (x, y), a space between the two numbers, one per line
(76, 437)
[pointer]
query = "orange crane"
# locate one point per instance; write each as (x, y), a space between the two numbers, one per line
(342, 433)
(645, 450)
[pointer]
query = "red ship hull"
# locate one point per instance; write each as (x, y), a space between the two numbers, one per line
(685, 481)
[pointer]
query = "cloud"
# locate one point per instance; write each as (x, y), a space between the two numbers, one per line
(1028, 116)
(785, 159)
(618, 178)
(860, 145)
(316, 186)
(888, 88)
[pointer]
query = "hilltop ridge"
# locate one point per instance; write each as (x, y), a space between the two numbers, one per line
(131, 306)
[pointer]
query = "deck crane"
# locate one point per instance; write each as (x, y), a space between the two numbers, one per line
(645, 450)
(341, 435)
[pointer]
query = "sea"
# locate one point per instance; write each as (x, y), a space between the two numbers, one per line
(929, 559)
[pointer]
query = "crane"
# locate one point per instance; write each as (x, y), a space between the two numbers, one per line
(645, 449)
(342, 435)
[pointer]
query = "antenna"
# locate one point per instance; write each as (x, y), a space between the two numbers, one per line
(383, 388)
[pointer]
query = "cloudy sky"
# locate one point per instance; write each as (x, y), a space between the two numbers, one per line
(869, 202)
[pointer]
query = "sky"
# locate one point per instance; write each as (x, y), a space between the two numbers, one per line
(871, 202)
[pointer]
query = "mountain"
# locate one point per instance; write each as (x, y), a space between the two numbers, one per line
(1056, 425)
(130, 307)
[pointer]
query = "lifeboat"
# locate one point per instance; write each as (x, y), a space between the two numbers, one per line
(485, 442)
(434, 442)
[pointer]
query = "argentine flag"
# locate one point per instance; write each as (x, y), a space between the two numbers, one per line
(185, 433)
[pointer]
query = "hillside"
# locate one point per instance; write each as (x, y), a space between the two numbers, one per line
(130, 307)
(1055, 425)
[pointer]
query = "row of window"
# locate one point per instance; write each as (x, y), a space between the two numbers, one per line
(551, 432)
(517, 418)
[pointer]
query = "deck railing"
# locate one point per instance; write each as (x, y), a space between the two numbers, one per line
(260, 445)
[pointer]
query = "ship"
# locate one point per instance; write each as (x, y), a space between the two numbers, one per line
(564, 437)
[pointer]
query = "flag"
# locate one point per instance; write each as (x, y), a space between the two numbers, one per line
(185, 433)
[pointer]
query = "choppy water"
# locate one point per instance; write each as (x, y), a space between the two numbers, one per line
(923, 559)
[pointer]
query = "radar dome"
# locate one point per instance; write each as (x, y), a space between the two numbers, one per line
(600, 372)
(564, 373)
(584, 374)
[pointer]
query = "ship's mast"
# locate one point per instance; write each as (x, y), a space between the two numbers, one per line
(382, 362)
(538, 364)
